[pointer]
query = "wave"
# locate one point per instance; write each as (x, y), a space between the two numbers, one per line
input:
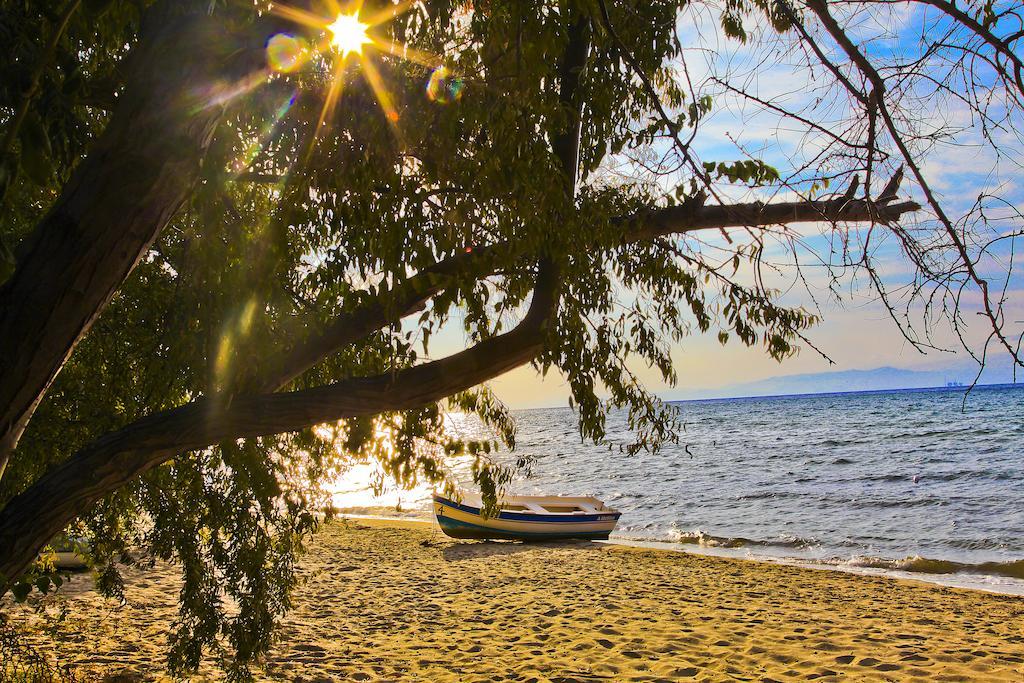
(985, 544)
(906, 502)
(708, 541)
(1013, 569)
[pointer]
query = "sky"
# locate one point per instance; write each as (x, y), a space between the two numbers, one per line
(857, 332)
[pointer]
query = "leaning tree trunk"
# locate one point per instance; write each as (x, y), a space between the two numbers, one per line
(138, 173)
(68, 490)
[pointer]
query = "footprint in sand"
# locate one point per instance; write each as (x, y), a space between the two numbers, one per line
(821, 674)
(913, 658)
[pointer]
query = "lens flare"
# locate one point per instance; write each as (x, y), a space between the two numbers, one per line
(443, 87)
(286, 53)
(348, 34)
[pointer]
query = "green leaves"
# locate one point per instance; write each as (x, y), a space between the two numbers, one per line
(21, 590)
(749, 171)
(697, 110)
(778, 12)
(42, 578)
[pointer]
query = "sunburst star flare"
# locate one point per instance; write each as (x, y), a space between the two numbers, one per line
(348, 34)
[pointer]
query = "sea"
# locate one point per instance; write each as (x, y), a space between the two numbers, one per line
(920, 483)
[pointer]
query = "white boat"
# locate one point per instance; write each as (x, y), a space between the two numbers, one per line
(64, 552)
(68, 559)
(526, 518)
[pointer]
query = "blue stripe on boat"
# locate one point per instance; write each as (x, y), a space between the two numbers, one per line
(532, 517)
(460, 529)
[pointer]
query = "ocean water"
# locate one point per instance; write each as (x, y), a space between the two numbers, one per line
(911, 481)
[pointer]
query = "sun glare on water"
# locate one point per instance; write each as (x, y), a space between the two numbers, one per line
(348, 34)
(355, 492)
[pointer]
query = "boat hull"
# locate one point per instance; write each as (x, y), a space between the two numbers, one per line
(465, 521)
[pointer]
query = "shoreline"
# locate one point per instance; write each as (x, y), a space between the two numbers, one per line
(966, 580)
(394, 600)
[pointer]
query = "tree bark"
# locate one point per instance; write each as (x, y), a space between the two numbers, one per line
(403, 299)
(693, 216)
(138, 173)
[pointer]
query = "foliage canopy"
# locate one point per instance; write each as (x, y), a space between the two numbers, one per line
(526, 171)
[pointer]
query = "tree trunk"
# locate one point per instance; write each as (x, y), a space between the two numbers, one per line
(135, 178)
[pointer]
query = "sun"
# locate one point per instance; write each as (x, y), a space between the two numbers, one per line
(348, 34)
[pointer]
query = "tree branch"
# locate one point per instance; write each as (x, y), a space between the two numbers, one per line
(693, 216)
(1001, 47)
(409, 296)
(388, 307)
(820, 8)
(26, 524)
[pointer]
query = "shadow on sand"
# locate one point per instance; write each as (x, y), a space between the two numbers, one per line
(469, 550)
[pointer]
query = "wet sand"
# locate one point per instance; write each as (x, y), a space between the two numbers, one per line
(398, 601)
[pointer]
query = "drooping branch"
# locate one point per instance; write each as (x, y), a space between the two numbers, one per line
(385, 309)
(408, 296)
(115, 459)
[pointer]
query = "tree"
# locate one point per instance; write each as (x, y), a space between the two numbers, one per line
(225, 231)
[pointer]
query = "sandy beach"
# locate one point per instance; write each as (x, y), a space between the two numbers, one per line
(398, 601)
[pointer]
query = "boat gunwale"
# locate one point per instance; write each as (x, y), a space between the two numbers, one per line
(547, 517)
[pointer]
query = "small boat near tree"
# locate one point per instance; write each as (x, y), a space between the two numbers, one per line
(66, 552)
(526, 518)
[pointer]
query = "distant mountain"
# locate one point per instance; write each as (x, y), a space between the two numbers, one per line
(856, 380)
